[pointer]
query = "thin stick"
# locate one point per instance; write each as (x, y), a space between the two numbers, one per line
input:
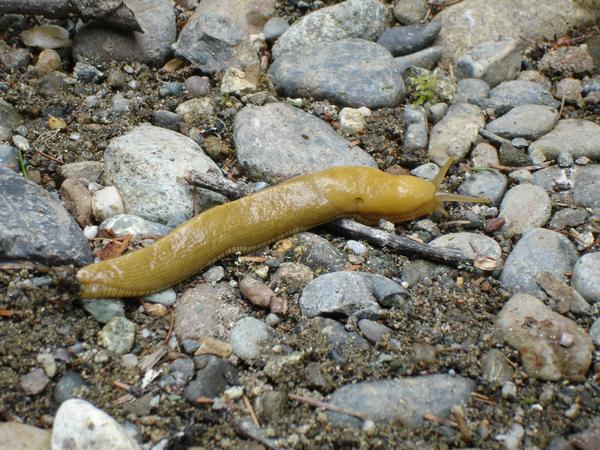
(346, 227)
(47, 156)
(250, 410)
(439, 420)
(171, 325)
(530, 168)
(328, 406)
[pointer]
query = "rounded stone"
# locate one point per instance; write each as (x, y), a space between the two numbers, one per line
(586, 276)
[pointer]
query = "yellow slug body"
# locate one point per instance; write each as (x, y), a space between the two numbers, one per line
(254, 221)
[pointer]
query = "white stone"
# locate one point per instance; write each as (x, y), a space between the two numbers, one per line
(235, 81)
(352, 120)
(80, 425)
(106, 203)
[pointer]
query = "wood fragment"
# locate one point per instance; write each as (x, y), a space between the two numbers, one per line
(204, 401)
(121, 385)
(328, 406)
(115, 248)
(171, 326)
(7, 312)
(350, 228)
(483, 398)
(250, 410)
(439, 420)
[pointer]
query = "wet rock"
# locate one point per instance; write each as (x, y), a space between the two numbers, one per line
(276, 141)
(347, 293)
(539, 250)
(197, 86)
(415, 128)
(484, 155)
(410, 38)
(79, 424)
(34, 382)
(471, 244)
(67, 387)
(350, 72)
(567, 61)
(97, 42)
(551, 346)
(455, 133)
(566, 298)
(102, 310)
(205, 311)
(510, 94)
(472, 22)
(10, 120)
(493, 62)
(107, 203)
(274, 28)
(410, 11)
(148, 167)
(353, 120)
(472, 90)
(77, 200)
(86, 171)
(585, 276)
(128, 224)
(217, 36)
(525, 121)
(19, 436)
(46, 36)
(117, 335)
(42, 230)
(575, 136)
(364, 19)
(495, 369)
(405, 400)
(212, 378)
(426, 59)
(525, 207)
(489, 184)
(248, 338)
(373, 331)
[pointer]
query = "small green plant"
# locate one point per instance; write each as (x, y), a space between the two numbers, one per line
(21, 162)
(424, 89)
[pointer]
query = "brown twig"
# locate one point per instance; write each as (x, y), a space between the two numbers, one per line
(50, 157)
(250, 410)
(347, 227)
(328, 406)
(483, 399)
(121, 385)
(171, 326)
(439, 420)
(502, 168)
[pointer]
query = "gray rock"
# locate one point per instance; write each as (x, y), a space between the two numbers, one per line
(97, 42)
(576, 136)
(526, 121)
(570, 89)
(568, 217)
(195, 110)
(373, 331)
(455, 133)
(409, 39)
(470, 244)
(585, 276)
(217, 36)
(271, 405)
(569, 60)
(551, 346)
(415, 128)
(138, 227)
(316, 252)
(426, 171)
(494, 368)
(67, 387)
(88, 171)
(274, 28)
(165, 119)
(181, 370)
(426, 59)
(525, 207)
(34, 382)
(168, 297)
(472, 22)
(104, 309)
(10, 119)
(347, 293)
(214, 274)
(205, 311)
(581, 182)
(566, 298)
(34, 225)
(438, 111)
(8, 155)
(493, 62)
(405, 400)
(486, 183)
(276, 141)
(509, 94)
(248, 338)
(213, 377)
(472, 90)
(539, 250)
(536, 77)
(88, 73)
(336, 335)
(117, 335)
(410, 11)
(484, 155)
(197, 86)
(364, 19)
(595, 332)
(79, 424)
(349, 72)
(148, 167)
(120, 104)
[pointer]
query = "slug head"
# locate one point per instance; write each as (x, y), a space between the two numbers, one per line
(404, 197)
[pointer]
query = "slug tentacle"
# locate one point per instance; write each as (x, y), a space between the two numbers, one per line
(261, 218)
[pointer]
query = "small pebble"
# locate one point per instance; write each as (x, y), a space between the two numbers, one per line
(34, 382)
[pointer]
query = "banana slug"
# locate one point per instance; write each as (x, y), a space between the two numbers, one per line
(252, 222)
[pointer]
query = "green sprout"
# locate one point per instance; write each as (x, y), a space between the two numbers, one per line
(424, 89)
(21, 162)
